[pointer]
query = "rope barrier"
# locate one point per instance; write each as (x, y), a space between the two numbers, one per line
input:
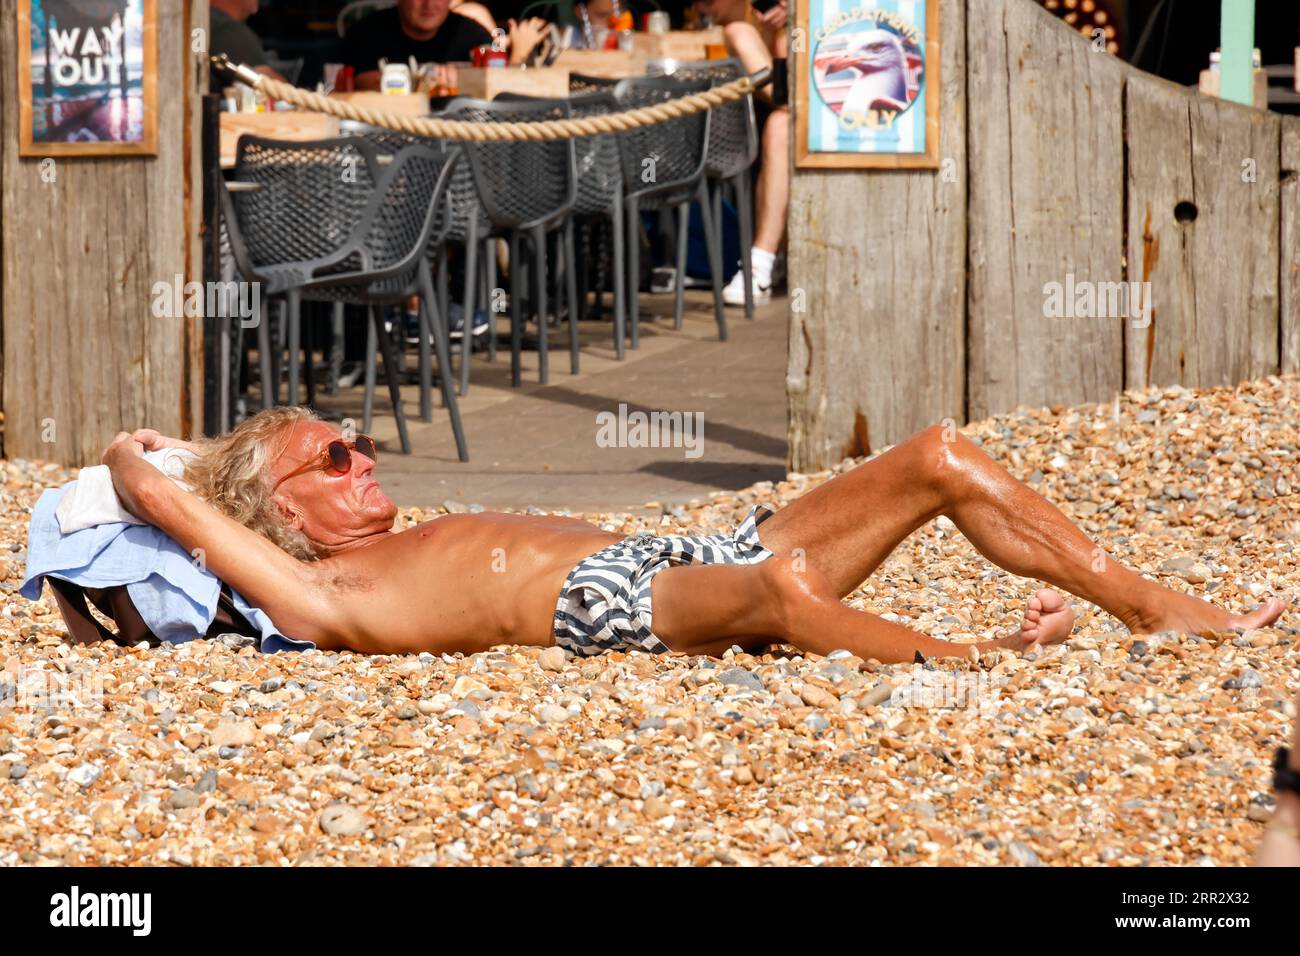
(464, 130)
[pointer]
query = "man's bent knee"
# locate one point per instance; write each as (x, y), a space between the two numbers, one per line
(940, 454)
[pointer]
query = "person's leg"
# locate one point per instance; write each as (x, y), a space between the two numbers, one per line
(1281, 843)
(847, 526)
(746, 44)
(773, 193)
(705, 609)
(773, 183)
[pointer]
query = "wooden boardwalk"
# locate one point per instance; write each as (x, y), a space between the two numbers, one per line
(537, 445)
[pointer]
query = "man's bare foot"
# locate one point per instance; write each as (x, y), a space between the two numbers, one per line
(1048, 619)
(1190, 615)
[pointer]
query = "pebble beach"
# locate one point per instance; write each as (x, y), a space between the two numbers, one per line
(1110, 749)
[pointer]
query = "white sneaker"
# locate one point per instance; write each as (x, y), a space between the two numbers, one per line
(734, 293)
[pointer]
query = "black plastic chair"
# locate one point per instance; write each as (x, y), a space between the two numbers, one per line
(300, 204)
(376, 255)
(599, 194)
(663, 167)
(528, 191)
(411, 220)
(733, 148)
(461, 219)
(469, 227)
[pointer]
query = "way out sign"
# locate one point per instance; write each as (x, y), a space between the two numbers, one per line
(87, 78)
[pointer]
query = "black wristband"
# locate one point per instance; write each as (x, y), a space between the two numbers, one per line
(1284, 777)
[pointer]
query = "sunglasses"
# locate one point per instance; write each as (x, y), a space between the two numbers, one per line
(336, 457)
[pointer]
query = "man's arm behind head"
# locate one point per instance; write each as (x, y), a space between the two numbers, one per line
(294, 593)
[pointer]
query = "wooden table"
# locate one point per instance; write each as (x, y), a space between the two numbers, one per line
(408, 104)
(280, 124)
(685, 45)
(484, 83)
(301, 125)
(607, 64)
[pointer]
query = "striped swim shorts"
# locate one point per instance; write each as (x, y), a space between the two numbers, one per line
(605, 602)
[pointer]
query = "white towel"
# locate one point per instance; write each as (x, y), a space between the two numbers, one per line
(91, 499)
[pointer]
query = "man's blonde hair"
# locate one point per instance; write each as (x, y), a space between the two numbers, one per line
(232, 472)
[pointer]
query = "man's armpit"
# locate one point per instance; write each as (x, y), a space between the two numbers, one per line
(343, 581)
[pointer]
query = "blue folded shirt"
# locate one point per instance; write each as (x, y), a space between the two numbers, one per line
(176, 597)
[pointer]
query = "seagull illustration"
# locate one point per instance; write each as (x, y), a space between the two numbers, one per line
(882, 73)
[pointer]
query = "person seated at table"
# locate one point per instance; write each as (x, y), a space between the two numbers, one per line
(755, 39)
(229, 33)
(427, 30)
(587, 32)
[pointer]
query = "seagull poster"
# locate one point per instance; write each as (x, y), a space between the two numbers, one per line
(864, 93)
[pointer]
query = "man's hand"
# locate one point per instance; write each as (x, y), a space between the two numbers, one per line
(154, 440)
(123, 444)
(132, 475)
(525, 36)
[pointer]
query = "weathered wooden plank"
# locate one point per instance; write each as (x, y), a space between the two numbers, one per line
(1203, 230)
(1289, 252)
(1046, 191)
(877, 276)
(80, 255)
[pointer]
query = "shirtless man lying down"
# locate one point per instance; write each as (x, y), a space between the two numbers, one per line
(305, 533)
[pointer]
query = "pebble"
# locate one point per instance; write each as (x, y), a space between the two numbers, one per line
(553, 714)
(343, 820)
(741, 677)
(877, 695)
(85, 775)
(1245, 680)
(655, 808)
(182, 799)
(234, 733)
(815, 696)
(469, 709)
(551, 659)
(1023, 854)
